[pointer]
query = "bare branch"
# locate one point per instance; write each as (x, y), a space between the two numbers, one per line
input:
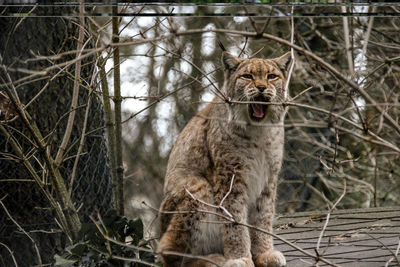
(75, 93)
(347, 42)
(11, 254)
(328, 215)
(119, 183)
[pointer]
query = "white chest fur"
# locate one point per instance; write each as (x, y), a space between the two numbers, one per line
(263, 161)
(257, 175)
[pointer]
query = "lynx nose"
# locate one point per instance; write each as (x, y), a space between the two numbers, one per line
(261, 88)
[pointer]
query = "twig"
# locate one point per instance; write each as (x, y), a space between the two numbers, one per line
(244, 46)
(328, 215)
(217, 91)
(380, 242)
(22, 230)
(106, 232)
(268, 20)
(375, 177)
(367, 34)
(395, 255)
(228, 219)
(209, 204)
(17, 180)
(230, 188)
(81, 144)
(45, 86)
(335, 151)
(318, 193)
(363, 123)
(222, 200)
(302, 92)
(347, 42)
(11, 254)
(252, 22)
(286, 91)
(53, 131)
(324, 164)
(75, 94)
(158, 99)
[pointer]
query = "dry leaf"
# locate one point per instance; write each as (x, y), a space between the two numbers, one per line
(7, 108)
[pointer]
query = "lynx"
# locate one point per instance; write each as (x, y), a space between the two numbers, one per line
(230, 155)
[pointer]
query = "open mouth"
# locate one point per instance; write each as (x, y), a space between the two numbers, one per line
(257, 112)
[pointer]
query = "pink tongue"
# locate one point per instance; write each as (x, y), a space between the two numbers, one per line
(257, 110)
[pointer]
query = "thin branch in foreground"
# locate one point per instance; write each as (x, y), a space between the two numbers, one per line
(286, 91)
(347, 42)
(386, 247)
(81, 144)
(328, 215)
(75, 92)
(222, 200)
(11, 254)
(23, 231)
(395, 255)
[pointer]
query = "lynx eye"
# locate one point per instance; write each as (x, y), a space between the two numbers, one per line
(247, 76)
(271, 76)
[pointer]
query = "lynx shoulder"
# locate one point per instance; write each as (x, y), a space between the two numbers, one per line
(228, 155)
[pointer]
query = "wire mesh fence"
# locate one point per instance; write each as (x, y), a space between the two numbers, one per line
(22, 42)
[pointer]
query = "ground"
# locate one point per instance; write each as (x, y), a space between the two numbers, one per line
(358, 237)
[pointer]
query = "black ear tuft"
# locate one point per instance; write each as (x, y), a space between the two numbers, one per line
(230, 62)
(284, 61)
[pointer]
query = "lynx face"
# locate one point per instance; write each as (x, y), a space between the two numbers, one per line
(256, 80)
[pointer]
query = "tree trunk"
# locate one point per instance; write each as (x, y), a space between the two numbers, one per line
(22, 39)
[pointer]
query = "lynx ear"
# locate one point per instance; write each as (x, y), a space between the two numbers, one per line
(284, 61)
(230, 62)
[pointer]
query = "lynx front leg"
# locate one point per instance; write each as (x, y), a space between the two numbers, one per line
(264, 254)
(236, 238)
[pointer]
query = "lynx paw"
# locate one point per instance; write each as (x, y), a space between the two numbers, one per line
(242, 262)
(271, 258)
